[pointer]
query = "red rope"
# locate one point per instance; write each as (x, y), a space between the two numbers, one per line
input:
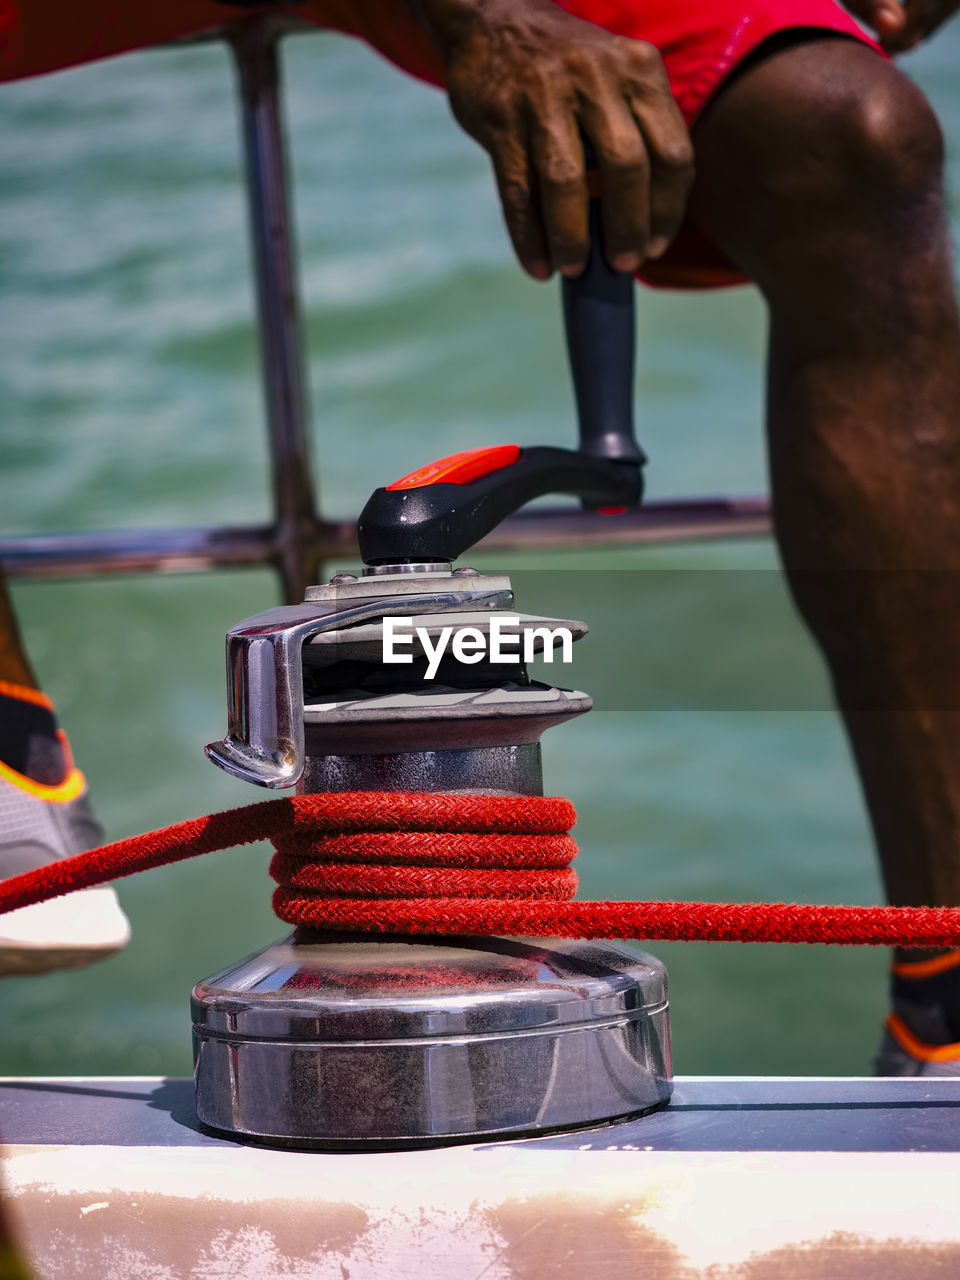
(423, 863)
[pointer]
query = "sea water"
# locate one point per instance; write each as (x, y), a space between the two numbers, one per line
(713, 767)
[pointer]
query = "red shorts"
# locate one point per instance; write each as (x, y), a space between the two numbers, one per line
(701, 42)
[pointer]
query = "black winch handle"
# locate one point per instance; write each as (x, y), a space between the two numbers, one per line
(437, 512)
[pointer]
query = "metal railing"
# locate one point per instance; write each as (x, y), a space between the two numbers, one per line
(299, 539)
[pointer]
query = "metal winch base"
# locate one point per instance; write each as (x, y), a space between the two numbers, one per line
(332, 1040)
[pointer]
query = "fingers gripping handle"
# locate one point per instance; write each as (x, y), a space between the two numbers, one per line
(598, 312)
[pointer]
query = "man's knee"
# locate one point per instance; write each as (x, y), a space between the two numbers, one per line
(825, 130)
(867, 140)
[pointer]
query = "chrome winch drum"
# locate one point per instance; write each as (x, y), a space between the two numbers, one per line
(332, 1039)
(360, 1041)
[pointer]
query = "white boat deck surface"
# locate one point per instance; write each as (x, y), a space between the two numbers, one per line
(738, 1179)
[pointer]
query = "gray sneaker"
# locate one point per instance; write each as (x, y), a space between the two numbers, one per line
(896, 1060)
(38, 825)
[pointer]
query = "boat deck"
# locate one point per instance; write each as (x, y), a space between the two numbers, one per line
(738, 1179)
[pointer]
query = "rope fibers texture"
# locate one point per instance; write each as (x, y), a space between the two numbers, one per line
(398, 862)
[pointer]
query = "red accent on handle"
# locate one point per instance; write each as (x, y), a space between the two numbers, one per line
(460, 468)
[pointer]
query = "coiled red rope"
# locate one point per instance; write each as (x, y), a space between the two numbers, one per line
(423, 863)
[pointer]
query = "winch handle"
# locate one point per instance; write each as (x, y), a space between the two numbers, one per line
(600, 323)
(440, 510)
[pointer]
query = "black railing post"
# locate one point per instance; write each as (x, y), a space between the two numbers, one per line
(254, 45)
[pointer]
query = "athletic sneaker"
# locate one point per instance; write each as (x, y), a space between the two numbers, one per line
(921, 1033)
(39, 824)
(896, 1058)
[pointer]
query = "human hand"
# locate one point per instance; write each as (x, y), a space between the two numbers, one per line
(902, 26)
(530, 82)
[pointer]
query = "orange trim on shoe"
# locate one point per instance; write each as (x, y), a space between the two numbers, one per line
(926, 968)
(918, 1048)
(73, 783)
(24, 693)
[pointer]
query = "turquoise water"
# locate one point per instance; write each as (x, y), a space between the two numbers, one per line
(131, 397)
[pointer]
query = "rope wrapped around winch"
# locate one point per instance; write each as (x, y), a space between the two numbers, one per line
(399, 862)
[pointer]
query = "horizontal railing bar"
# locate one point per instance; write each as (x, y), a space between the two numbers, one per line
(73, 555)
(686, 520)
(76, 555)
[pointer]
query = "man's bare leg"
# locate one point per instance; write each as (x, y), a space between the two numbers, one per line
(14, 664)
(819, 172)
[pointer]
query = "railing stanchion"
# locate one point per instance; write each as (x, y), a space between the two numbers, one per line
(254, 45)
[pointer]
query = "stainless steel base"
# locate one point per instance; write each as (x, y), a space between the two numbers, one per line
(346, 1040)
